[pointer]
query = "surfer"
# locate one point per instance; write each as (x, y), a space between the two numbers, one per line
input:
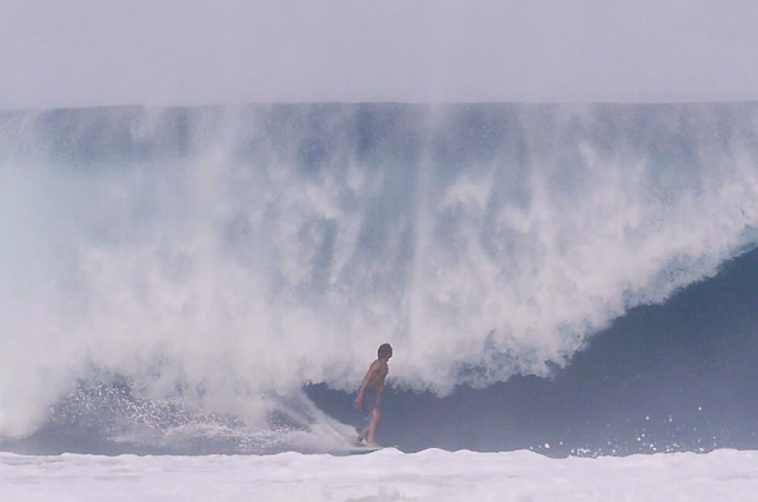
(370, 394)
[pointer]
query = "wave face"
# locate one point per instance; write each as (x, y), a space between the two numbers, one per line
(222, 258)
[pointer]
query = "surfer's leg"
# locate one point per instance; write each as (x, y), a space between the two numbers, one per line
(364, 433)
(370, 431)
(370, 404)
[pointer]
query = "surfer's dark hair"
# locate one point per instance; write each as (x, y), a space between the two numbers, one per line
(385, 351)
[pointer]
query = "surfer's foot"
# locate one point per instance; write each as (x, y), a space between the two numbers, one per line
(372, 444)
(359, 441)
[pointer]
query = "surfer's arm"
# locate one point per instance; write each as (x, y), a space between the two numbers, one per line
(381, 376)
(366, 379)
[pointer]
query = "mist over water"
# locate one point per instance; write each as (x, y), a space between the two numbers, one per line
(207, 263)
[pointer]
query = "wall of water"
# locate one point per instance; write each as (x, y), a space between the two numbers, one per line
(225, 257)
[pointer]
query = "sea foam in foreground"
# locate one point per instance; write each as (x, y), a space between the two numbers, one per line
(386, 475)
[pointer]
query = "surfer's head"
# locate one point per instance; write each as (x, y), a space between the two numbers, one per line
(385, 351)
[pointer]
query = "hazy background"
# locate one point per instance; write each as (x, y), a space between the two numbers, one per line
(82, 53)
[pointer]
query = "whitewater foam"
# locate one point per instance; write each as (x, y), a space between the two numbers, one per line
(223, 256)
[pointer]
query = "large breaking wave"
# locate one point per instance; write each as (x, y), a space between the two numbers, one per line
(222, 258)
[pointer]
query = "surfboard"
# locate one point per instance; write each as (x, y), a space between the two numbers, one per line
(358, 450)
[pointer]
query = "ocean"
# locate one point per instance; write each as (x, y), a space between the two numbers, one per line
(561, 283)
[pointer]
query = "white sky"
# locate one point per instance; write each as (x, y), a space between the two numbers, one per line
(89, 52)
